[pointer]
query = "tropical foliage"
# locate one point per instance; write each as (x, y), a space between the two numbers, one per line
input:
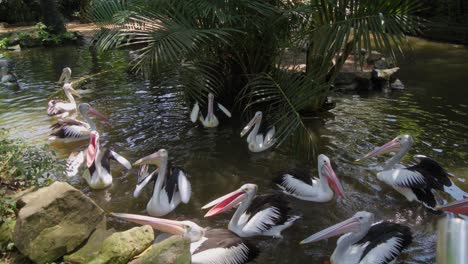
(235, 48)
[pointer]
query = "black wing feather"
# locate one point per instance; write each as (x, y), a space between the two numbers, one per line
(435, 176)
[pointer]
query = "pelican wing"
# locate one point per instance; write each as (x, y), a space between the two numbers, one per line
(262, 220)
(384, 242)
(185, 189)
(194, 113)
(143, 179)
(403, 178)
(224, 109)
(291, 184)
(69, 127)
(270, 135)
(120, 159)
(74, 162)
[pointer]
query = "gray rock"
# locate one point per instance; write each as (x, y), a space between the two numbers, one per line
(54, 221)
(174, 250)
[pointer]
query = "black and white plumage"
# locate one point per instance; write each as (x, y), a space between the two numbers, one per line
(300, 184)
(208, 246)
(71, 129)
(210, 120)
(265, 215)
(262, 136)
(364, 242)
(98, 175)
(171, 185)
(417, 182)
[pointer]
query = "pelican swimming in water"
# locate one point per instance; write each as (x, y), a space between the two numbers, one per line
(65, 76)
(417, 182)
(208, 246)
(265, 215)
(98, 175)
(70, 129)
(171, 185)
(300, 184)
(257, 142)
(210, 120)
(364, 242)
(63, 108)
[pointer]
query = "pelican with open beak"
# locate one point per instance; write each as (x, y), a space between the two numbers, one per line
(417, 182)
(210, 120)
(71, 129)
(63, 108)
(265, 215)
(300, 184)
(257, 142)
(207, 245)
(364, 242)
(171, 185)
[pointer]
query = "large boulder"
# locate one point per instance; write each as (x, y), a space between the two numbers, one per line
(54, 221)
(123, 246)
(91, 250)
(174, 250)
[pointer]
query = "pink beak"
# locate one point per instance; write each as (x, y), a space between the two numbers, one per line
(333, 179)
(458, 207)
(91, 154)
(95, 113)
(225, 203)
(164, 225)
(391, 146)
(350, 225)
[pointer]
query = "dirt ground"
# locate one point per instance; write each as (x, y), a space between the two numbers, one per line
(86, 29)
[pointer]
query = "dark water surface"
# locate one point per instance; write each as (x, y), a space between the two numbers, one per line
(434, 109)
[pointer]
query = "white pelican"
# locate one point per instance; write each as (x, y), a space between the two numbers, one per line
(65, 76)
(62, 108)
(265, 215)
(364, 242)
(300, 184)
(98, 175)
(257, 142)
(417, 182)
(70, 129)
(210, 120)
(171, 186)
(208, 246)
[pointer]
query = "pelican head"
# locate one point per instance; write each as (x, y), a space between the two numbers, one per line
(92, 148)
(230, 200)
(395, 145)
(255, 120)
(66, 75)
(186, 229)
(326, 171)
(86, 109)
(156, 158)
(67, 87)
(360, 221)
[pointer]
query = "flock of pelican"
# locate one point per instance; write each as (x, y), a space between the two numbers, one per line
(362, 240)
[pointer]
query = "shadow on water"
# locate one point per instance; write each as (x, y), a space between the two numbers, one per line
(147, 116)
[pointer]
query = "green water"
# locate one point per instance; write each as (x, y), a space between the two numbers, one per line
(146, 117)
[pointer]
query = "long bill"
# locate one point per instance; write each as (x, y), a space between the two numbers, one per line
(163, 225)
(210, 105)
(392, 146)
(92, 148)
(458, 207)
(150, 159)
(97, 114)
(332, 179)
(248, 126)
(350, 225)
(225, 203)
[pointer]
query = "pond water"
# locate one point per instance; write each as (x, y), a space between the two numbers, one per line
(146, 117)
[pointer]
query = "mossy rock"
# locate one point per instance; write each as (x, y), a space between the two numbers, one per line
(174, 250)
(6, 233)
(91, 249)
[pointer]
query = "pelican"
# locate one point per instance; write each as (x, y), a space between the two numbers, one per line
(417, 182)
(61, 108)
(65, 76)
(364, 242)
(458, 207)
(7, 77)
(210, 120)
(98, 175)
(257, 142)
(171, 186)
(265, 215)
(70, 129)
(300, 184)
(207, 246)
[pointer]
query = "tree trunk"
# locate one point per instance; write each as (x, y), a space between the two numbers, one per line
(51, 17)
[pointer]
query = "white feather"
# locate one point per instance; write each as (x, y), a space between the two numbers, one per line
(264, 217)
(194, 113)
(380, 253)
(224, 109)
(298, 187)
(139, 187)
(185, 189)
(233, 255)
(401, 177)
(74, 162)
(120, 159)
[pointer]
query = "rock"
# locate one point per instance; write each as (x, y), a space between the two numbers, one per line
(6, 233)
(374, 56)
(345, 78)
(397, 85)
(174, 250)
(91, 250)
(123, 246)
(54, 221)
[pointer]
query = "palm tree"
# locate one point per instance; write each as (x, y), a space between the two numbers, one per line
(234, 48)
